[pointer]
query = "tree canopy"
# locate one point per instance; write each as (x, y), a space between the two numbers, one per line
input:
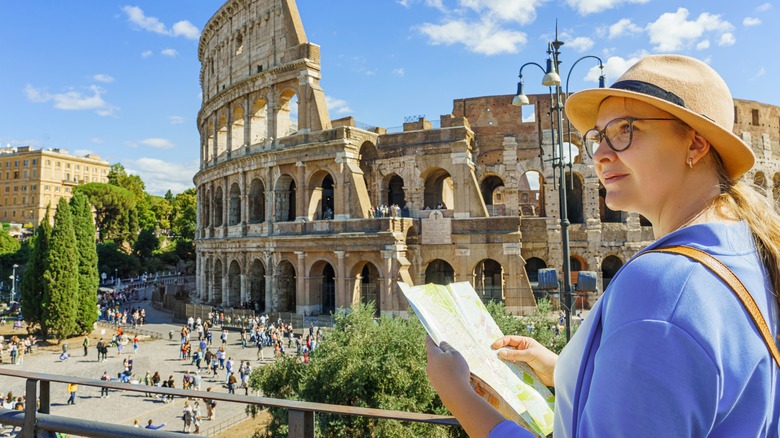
(112, 205)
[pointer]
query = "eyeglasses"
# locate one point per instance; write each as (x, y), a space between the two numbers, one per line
(617, 132)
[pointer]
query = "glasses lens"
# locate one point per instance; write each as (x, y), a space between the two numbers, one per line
(618, 132)
(591, 140)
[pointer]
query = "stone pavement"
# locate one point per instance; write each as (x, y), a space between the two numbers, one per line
(153, 355)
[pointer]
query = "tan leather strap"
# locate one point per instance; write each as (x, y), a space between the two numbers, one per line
(728, 277)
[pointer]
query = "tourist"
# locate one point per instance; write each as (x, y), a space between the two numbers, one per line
(72, 388)
(196, 418)
(149, 425)
(103, 390)
(211, 406)
(669, 349)
(187, 416)
(85, 344)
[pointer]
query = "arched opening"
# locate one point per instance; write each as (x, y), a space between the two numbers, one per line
(368, 155)
(759, 179)
(285, 286)
(328, 289)
(234, 206)
(776, 189)
(574, 198)
(489, 280)
(206, 202)
(493, 194)
(411, 236)
(237, 129)
(285, 199)
(532, 267)
(439, 272)
(216, 296)
(258, 123)
(257, 286)
(219, 205)
(234, 285)
(609, 267)
(395, 191)
(256, 202)
(287, 115)
(368, 282)
(439, 189)
(530, 190)
(644, 222)
(222, 132)
(211, 142)
(606, 213)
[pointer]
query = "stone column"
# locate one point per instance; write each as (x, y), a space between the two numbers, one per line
(302, 193)
(343, 296)
(269, 277)
(300, 283)
(244, 289)
(225, 301)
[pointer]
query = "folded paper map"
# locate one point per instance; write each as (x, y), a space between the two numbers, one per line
(455, 313)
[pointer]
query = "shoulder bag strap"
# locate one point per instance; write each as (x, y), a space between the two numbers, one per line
(724, 273)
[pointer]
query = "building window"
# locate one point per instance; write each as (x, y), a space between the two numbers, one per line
(7, 189)
(24, 163)
(46, 188)
(78, 167)
(35, 161)
(67, 189)
(24, 188)
(25, 174)
(67, 177)
(48, 162)
(57, 189)
(755, 117)
(67, 165)
(14, 203)
(35, 173)
(13, 213)
(16, 174)
(16, 189)
(16, 163)
(24, 199)
(7, 164)
(86, 168)
(32, 187)
(58, 164)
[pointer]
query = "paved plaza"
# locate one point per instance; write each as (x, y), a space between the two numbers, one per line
(153, 355)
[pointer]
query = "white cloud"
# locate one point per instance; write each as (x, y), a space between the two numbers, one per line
(614, 67)
(176, 120)
(760, 73)
(103, 78)
(96, 140)
(585, 7)
(624, 26)
(517, 11)
(169, 52)
(751, 21)
(136, 16)
(72, 100)
(158, 143)
(727, 39)
(160, 176)
(485, 37)
(703, 45)
(580, 44)
(673, 32)
(146, 53)
(764, 7)
(400, 72)
(337, 106)
(82, 152)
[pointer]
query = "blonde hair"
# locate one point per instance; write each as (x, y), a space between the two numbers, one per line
(739, 200)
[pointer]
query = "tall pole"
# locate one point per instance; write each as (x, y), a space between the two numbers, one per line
(13, 283)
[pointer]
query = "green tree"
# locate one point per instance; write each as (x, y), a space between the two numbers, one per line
(60, 279)
(88, 277)
(364, 362)
(32, 287)
(8, 245)
(184, 214)
(163, 210)
(111, 205)
(146, 244)
(539, 325)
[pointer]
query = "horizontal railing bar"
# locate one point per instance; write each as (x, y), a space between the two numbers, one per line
(75, 426)
(296, 405)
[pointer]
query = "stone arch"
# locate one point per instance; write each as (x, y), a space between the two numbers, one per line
(211, 141)
(439, 189)
(530, 191)
(609, 267)
(285, 199)
(574, 198)
(776, 189)
(605, 213)
(258, 121)
(287, 113)
(237, 128)
(322, 285)
(285, 286)
(257, 285)
(577, 263)
(368, 155)
(395, 190)
(222, 132)
(759, 179)
(234, 285)
(219, 205)
(206, 203)
(256, 201)
(492, 189)
(216, 283)
(234, 205)
(367, 282)
(412, 238)
(439, 271)
(532, 267)
(489, 280)
(322, 196)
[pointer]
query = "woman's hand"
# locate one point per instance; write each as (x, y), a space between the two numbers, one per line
(448, 372)
(530, 351)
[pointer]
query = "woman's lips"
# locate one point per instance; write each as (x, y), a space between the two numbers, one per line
(613, 177)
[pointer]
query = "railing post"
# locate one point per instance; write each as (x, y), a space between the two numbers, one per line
(300, 424)
(30, 409)
(45, 398)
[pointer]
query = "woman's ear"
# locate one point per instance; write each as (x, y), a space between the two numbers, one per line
(698, 148)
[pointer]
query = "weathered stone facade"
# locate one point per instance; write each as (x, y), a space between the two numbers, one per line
(287, 209)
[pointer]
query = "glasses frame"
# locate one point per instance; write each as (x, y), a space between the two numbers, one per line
(601, 134)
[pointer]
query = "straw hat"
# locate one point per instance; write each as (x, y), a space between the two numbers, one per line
(682, 86)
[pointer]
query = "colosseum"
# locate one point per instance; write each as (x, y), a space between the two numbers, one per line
(301, 213)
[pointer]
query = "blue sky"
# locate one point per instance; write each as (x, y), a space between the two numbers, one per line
(120, 79)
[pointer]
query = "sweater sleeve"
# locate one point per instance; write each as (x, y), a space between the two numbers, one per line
(651, 378)
(509, 429)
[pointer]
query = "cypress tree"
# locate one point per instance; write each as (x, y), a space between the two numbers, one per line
(89, 280)
(32, 286)
(60, 278)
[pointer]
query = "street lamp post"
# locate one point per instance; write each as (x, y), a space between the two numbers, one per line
(116, 276)
(553, 79)
(13, 282)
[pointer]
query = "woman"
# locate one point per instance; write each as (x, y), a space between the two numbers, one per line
(669, 350)
(186, 416)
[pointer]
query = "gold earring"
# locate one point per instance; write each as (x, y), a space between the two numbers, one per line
(690, 162)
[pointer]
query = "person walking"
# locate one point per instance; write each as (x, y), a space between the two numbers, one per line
(231, 384)
(196, 416)
(72, 388)
(103, 390)
(186, 416)
(85, 344)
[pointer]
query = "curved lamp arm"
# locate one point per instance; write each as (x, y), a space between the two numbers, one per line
(601, 85)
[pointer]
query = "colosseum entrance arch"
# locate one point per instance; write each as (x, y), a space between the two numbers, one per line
(285, 286)
(489, 280)
(321, 200)
(287, 115)
(285, 199)
(234, 206)
(322, 286)
(367, 285)
(258, 123)
(439, 272)
(234, 285)
(609, 268)
(257, 286)
(216, 283)
(530, 189)
(493, 194)
(439, 191)
(395, 191)
(256, 202)
(219, 205)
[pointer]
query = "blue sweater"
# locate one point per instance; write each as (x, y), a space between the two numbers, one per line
(669, 350)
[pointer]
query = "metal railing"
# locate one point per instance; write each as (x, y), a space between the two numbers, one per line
(36, 416)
